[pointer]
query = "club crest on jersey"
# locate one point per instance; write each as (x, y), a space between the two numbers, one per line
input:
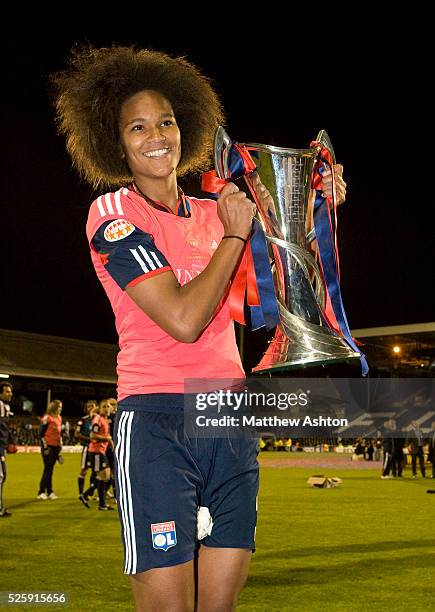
(118, 229)
(164, 535)
(214, 244)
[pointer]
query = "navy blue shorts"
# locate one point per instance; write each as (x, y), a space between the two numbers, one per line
(83, 459)
(96, 461)
(110, 454)
(163, 477)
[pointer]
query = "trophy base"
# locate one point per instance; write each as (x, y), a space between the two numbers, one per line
(298, 344)
(304, 365)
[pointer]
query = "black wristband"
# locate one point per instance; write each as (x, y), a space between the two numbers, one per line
(238, 237)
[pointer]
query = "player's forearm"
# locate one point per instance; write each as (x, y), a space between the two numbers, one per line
(100, 438)
(183, 312)
(199, 298)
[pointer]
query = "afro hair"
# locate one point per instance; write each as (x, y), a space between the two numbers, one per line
(89, 96)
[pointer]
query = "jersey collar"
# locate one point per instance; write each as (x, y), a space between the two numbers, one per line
(183, 206)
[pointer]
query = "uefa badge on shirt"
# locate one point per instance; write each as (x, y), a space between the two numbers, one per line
(118, 229)
(164, 535)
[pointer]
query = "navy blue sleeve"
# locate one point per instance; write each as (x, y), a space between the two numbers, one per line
(128, 253)
(42, 429)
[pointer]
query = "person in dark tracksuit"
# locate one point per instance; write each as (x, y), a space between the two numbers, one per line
(398, 457)
(415, 446)
(431, 456)
(6, 438)
(388, 448)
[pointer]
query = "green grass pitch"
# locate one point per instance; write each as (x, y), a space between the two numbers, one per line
(366, 545)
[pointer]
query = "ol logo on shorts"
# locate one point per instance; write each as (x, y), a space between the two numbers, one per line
(164, 535)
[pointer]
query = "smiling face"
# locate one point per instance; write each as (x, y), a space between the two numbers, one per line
(150, 137)
(105, 408)
(113, 404)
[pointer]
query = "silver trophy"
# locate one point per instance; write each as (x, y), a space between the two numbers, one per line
(303, 337)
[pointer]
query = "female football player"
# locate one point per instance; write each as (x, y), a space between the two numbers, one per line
(50, 435)
(135, 121)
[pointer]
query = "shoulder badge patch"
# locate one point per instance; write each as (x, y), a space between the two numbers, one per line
(164, 535)
(118, 229)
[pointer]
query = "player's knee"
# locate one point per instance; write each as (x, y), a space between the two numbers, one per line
(171, 606)
(223, 599)
(221, 604)
(104, 474)
(147, 599)
(169, 589)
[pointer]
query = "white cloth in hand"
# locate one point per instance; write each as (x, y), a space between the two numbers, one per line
(204, 522)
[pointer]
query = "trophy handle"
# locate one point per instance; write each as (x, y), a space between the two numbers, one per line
(222, 145)
(323, 138)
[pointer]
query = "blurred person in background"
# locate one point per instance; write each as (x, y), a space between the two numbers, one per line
(398, 457)
(370, 449)
(431, 455)
(378, 450)
(415, 446)
(7, 441)
(66, 432)
(110, 451)
(359, 452)
(83, 433)
(388, 447)
(97, 459)
(50, 435)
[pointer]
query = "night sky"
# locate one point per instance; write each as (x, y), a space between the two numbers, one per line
(368, 96)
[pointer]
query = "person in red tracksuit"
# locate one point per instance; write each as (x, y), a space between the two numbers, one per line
(51, 445)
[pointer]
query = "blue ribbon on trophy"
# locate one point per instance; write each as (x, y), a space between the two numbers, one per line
(264, 310)
(325, 229)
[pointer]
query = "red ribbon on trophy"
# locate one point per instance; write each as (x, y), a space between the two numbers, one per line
(252, 277)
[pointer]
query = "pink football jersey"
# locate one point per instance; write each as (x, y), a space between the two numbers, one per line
(97, 446)
(151, 361)
(53, 434)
